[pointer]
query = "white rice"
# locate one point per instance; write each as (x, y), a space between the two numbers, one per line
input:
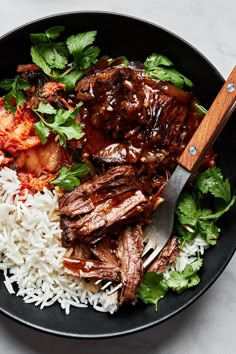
(31, 255)
(187, 255)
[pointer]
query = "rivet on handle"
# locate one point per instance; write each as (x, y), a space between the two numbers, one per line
(230, 87)
(192, 150)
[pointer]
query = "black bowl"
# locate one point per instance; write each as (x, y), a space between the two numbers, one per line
(136, 39)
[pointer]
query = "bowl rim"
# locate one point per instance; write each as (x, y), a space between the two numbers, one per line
(230, 254)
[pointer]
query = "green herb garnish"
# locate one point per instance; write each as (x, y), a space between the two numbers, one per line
(160, 67)
(47, 53)
(60, 122)
(52, 57)
(15, 95)
(180, 281)
(68, 179)
(153, 288)
(191, 218)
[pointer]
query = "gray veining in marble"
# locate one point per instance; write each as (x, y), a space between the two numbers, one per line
(208, 326)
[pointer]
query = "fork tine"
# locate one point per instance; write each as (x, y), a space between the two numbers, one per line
(106, 285)
(146, 249)
(117, 287)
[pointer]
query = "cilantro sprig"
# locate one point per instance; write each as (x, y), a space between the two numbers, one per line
(180, 281)
(153, 288)
(160, 67)
(15, 96)
(192, 218)
(53, 56)
(60, 122)
(68, 179)
(48, 54)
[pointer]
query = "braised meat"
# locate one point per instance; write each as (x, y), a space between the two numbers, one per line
(129, 252)
(97, 207)
(121, 262)
(137, 118)
(87, 268)
(166, 256)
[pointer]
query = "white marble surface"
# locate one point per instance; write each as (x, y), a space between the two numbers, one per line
(208, 326)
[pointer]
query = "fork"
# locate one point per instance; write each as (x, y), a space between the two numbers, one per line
(159, 231)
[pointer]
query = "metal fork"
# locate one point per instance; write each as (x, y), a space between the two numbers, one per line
(159, 231)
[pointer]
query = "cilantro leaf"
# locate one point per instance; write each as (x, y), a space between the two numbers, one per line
(191, 219)
(68, 178)
(70, 79)
(77, 43)
(160, 67)
(153, 288)
(54, 32)
(155, 60)
(50, 34)
(207, 228)
(180, 281)
(63, 124)
(212, 181)
(15, 87)
(42, 131)
(78, 46)
(49, 54)
(186, 210)
(220, 212)
(46, 108)
(38, 59)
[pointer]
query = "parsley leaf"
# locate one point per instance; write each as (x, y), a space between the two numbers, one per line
(180, 281)
(68, 178)
(153, 288)
(160, 67)
(15, 87)
(61, 123)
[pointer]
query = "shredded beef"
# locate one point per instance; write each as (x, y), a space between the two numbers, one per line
(129, 252)
(91, 268)
(166, 256)
(95, 208)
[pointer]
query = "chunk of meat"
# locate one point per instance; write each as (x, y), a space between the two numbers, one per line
(166, 256)
(90, 268)
(97, 207)
(82, 199)
(93, 226)
(68, 234)
(122, 100)
(105, 252)
(129, 253)
(22, 68)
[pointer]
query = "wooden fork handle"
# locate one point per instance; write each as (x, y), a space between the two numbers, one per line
(211, 126)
